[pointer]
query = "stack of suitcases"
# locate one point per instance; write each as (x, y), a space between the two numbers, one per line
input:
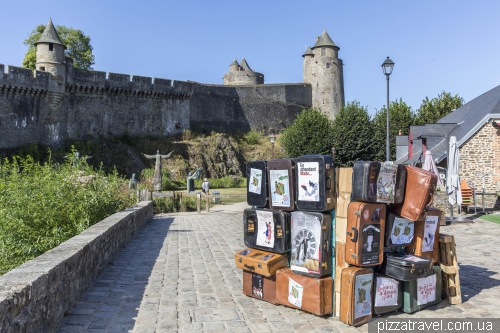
(391, 246)
(288, 233)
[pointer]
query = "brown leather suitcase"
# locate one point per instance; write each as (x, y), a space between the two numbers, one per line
(419, 193)
(260, 286)
(356, 295)
(314, 295)
(260, 262)
(281, 178)
(426, 241)
(365, 234)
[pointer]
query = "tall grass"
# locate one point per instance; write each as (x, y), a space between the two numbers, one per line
(43, 205)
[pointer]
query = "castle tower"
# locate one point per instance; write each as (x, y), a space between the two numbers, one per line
(323, 70)
(242, 75)
(50, 58)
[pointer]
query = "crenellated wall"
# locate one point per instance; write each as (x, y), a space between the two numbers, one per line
(97, 103)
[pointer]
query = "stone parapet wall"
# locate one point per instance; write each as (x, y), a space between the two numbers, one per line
(35, 295)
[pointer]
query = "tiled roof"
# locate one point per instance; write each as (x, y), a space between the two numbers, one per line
(324, 40)
(50, 35)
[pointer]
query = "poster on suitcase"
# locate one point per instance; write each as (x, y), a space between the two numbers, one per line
(280, 187)
(386, 182)
(426, 289)
(428, 240)
(308, 181)
(257, 285)
(295, 292)
(362, 295)
(306, 236)
(386, 292)
(371, 244)
(265, 227)
(402, 231)
(255, 181)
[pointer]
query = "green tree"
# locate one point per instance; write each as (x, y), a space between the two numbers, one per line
(432, 110)
(77, 45)
(352, 135)
(310, 133)
(400, 118)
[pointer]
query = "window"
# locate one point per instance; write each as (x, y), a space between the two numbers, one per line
(42, 68)
(323, 51)
(327, 65)
(51, 47)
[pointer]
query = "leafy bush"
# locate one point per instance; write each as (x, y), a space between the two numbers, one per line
(253, 137)
(310, 133)
(42, 206)
(224, 182)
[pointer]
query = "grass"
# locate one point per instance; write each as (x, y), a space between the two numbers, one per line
(492, 218)
(237, 191)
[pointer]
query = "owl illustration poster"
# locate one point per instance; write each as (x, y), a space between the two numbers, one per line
(306, 238)
(362, 295)
(265, 229)
(308, 181)
(255, 181)
(295, 292)
(402, 231)
(280, 188)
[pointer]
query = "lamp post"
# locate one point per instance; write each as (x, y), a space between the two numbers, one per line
(272, 138)
(387, 67)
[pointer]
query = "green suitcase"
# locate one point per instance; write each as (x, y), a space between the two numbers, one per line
(421, 293)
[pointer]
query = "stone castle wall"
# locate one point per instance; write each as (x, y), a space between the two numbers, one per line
(96, 103)
(480, 155)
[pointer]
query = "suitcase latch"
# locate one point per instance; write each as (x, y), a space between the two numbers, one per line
(354, 256)
(239, 260)
(259, 265)
(328, 200)
(412, 268)
(357, 213)
(324, 265)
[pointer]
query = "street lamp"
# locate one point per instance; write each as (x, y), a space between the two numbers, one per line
(387, 67)
(272, 138)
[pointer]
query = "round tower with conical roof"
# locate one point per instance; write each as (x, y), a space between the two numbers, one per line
(323, 70)
(50, 52)
(240, 74)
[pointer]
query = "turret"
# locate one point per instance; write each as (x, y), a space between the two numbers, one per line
(242, 75)
(323, 70)
(50, 52)
(234, 67)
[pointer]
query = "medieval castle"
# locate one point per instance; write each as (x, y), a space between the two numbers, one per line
(58, 102)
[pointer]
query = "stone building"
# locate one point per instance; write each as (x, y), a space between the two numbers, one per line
(323, 70)
(242, 75)
(476, 126)
(57, 102)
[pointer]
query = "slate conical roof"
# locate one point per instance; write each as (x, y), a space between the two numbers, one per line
(234, 63)
(49, 35)
(324, 40)
(309, 51)
(244, 65)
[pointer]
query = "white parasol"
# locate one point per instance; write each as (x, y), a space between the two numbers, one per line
(452, 177)
(430, 165)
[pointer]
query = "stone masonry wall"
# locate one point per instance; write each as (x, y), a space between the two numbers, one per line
(99, 104)
(35, 295)
(480, 155)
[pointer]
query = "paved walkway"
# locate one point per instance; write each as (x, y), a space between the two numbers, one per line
(178, 275)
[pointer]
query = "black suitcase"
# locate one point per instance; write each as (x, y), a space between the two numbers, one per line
(257, 184)
(378, 182)
(281, 176)
(311, 249)
(267, 230)
(405, 267)
(398, 231)
(364, 181)
(315, 178)
(387, 294)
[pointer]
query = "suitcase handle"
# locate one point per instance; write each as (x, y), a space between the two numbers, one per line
(430, 200)
(250, 268)
(355, 237)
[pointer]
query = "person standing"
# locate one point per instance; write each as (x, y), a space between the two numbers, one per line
(205, 186)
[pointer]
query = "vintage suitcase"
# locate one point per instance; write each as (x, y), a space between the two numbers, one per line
(426, 241)
(257, 189)
(356, 295)
(311, 249)
(281, 176)
(260, 262)
(378, 182)
(313, 295)
(421, 293)
(387, 294)
(365, 234)
(398, 231)
(259, 286)
(419, 193)
(315, 183)
(405, 267)
(267, 229)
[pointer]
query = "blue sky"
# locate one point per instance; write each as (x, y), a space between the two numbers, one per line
(436, 45)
